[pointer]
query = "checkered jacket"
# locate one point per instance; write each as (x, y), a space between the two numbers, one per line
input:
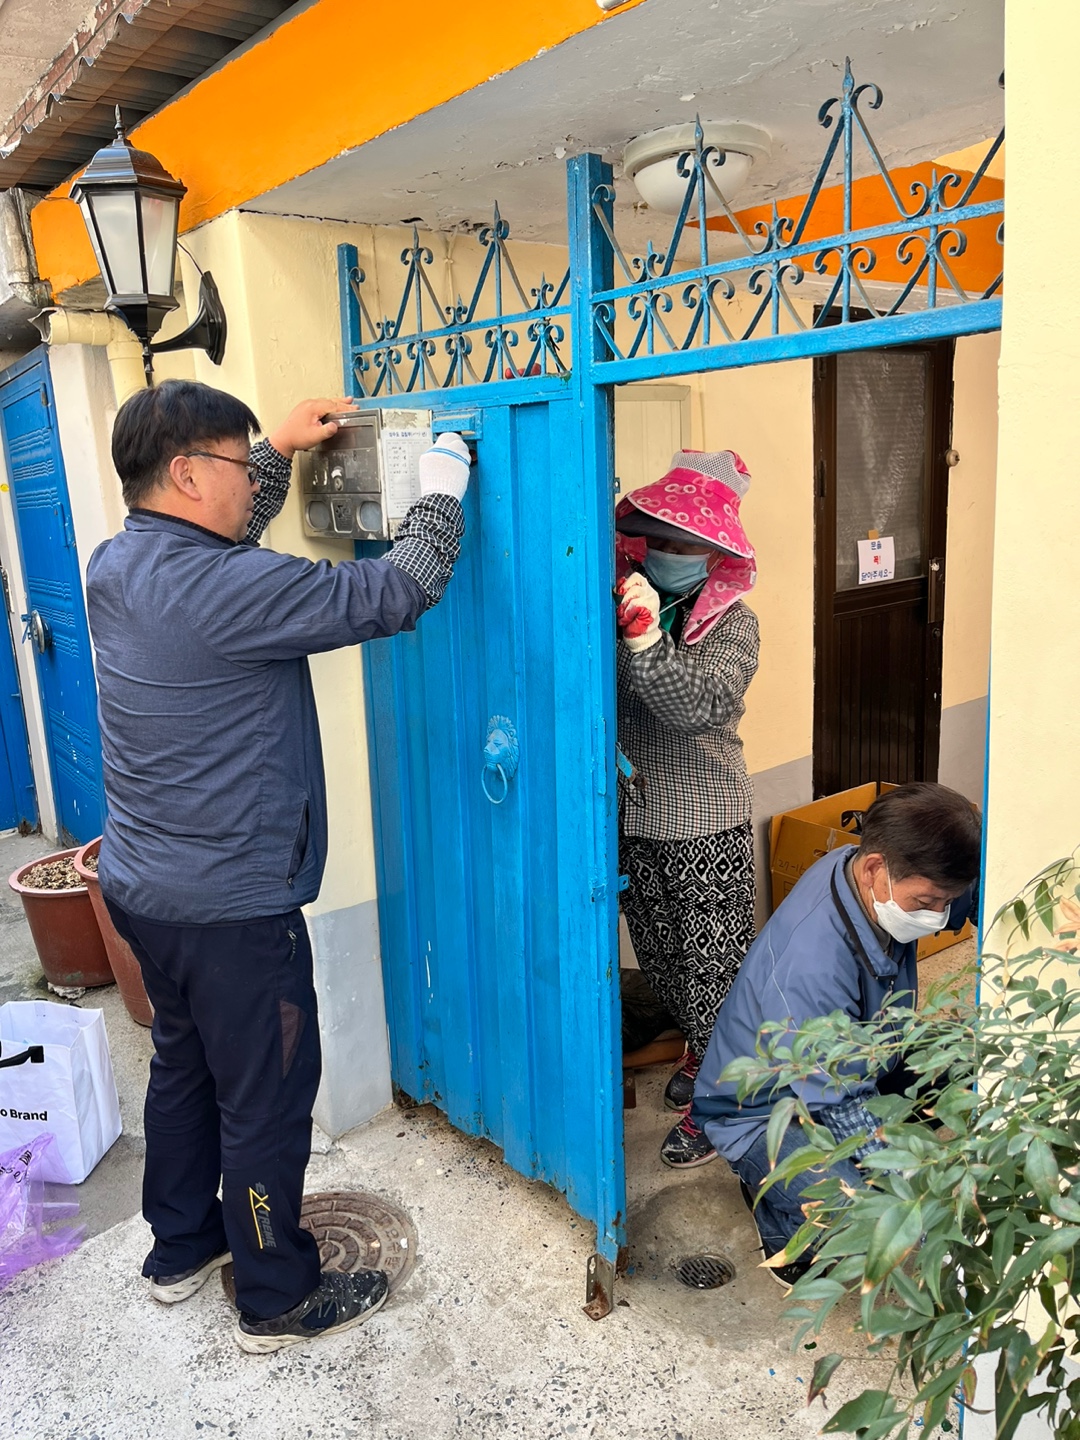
(427, 539)
(850, 1117)
(679, 713)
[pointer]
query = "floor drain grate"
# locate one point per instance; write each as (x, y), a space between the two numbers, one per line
(355, 1231)
(705, 1272)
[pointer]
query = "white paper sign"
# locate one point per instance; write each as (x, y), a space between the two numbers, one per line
(877, 560)
(401, 470)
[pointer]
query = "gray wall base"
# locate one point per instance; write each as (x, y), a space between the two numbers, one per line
(352, 1018)
(781, 788)
(976, 1426)
(962, 764)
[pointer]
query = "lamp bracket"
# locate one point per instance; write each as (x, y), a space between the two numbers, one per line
(208, 331)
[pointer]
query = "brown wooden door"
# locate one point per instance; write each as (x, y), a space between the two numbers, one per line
(881, 432)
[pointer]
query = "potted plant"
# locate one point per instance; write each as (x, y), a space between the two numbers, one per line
(61, 919)
(968, 1227)
(125, 967)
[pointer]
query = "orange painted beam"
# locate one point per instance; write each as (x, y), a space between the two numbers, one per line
(976, 269)
(334, 77)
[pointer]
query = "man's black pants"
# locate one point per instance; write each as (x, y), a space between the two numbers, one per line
(232, 1085)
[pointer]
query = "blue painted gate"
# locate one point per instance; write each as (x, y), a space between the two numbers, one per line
(55, 615)
(498, 921)
(496, 914)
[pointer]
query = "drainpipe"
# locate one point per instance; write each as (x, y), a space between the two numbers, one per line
(95, 327)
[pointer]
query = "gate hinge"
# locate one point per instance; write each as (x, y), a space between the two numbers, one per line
(599, 888)
(600, 754)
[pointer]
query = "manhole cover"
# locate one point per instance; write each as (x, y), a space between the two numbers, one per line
(355, 1231)
(705, 1272)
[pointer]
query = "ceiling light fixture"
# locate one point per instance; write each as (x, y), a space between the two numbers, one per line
(652, 162)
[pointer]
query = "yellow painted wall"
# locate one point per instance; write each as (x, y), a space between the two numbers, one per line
(1034, 795)
(765, 413)
(970, 553)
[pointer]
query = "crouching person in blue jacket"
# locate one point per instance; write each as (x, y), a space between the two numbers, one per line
(844, 939)
(216, 834)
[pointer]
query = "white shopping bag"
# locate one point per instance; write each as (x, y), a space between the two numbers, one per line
(56, 1076)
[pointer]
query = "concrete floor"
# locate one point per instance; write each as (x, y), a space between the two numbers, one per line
(487, 1337)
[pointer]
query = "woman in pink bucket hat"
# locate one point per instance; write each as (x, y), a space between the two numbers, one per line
(688, 649)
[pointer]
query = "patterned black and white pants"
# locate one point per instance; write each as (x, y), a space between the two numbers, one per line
(689, 908)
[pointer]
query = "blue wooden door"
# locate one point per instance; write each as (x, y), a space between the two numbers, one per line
(497, 909)
(57, 627)
(18, 800)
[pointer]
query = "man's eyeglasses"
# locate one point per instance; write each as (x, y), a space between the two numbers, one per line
(254, 473)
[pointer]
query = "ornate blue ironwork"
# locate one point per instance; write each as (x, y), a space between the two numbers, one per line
(673, 314)
(400, 354)
(667, 308)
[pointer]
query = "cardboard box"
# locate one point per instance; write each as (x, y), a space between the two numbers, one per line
(801, 836)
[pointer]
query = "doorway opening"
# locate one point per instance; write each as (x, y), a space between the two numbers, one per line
(882, 427)
(771, 416)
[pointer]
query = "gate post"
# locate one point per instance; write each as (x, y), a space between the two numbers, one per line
(591, 270)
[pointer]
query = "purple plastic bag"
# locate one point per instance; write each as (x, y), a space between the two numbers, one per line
(30, 1210)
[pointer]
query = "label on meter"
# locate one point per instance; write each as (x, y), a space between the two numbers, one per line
(402, 447)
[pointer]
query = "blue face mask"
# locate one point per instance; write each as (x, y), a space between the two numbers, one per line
(673, 573)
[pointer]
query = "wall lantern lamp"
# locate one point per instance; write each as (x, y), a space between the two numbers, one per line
(131, 206)
(652, 162)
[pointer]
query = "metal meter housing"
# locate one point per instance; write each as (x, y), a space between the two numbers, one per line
(361, 481)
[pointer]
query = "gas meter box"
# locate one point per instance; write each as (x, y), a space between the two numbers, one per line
(364, 478)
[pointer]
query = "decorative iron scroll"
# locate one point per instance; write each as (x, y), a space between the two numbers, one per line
(940, 248)
(427, 345)
(928, 263)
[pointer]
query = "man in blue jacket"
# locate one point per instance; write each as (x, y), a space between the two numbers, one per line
(844, 939)
(216, 833)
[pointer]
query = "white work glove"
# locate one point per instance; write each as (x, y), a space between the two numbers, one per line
(444, 469)
(638, 613)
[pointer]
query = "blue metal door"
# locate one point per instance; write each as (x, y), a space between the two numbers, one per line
(18, 801)
(496, 907)
(55, 614)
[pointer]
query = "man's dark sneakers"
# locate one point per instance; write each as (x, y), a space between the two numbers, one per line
(680, 1088)
(170, 1289)
(339, 1302)
(784, 1275)
(686, 1146)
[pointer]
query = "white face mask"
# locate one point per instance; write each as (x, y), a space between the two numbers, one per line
(674, 573)
(907, 925)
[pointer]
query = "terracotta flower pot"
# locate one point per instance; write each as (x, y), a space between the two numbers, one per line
(125, 967)
(65, 930)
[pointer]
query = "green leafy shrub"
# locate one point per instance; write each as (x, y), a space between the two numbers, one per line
(963, 1242)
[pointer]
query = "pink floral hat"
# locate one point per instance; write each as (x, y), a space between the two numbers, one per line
(700, 496)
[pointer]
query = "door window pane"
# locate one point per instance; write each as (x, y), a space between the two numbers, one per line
(881, 418)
